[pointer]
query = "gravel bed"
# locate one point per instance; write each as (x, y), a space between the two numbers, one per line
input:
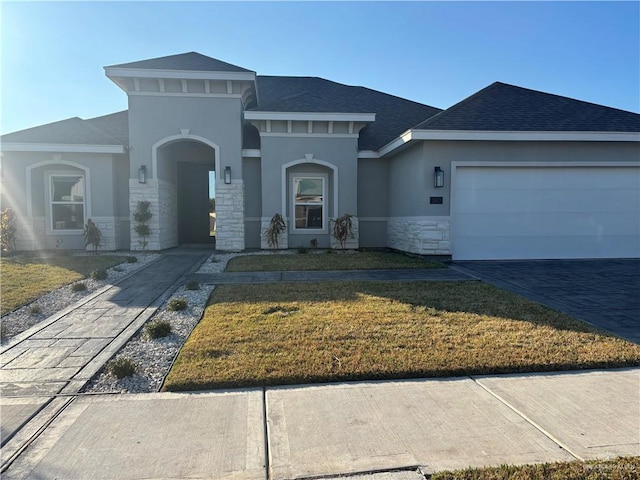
(153, 357)
(25, 317)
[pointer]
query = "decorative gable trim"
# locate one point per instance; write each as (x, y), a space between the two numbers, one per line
(63, 148)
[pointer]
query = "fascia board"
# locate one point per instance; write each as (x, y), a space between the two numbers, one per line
(179, 74)
(61, 148)
(313, 116)
(526, 136)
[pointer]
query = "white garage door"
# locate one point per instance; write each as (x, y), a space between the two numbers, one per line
(545, 212)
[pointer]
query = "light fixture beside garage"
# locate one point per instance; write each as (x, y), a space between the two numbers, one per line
(227, 175)
(142, 174)
(438, 177)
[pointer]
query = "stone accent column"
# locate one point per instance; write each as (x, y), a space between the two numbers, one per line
(351, 243)
(230, 216)
(283, 240)
(421, 235)
(28, 231)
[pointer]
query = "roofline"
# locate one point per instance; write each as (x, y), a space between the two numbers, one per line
(509, 136)
(178, 74)
(61, 148)
(313, 116)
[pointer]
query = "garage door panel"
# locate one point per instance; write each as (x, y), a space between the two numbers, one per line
(545, 224)
(513, 248)
(553, 178)
(545, 212)
(571, 201)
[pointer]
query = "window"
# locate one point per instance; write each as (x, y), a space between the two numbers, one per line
(309, 196)
(67, 202)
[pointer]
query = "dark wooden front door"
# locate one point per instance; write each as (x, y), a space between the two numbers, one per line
(193, 203)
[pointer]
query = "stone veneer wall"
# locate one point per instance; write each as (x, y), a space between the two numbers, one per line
(283, 240)
(29, 229)
(351, 243)
(421, 235)
(112, 230)
(163, 197)
(230, 216)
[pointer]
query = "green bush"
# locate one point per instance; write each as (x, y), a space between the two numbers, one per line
(122, 367)
(302, 250)
(99, 274)
(214, 260)
(158, 329)
(35, 309)
(176, 304)
(78, 287)
(132, 259)
(193, 285)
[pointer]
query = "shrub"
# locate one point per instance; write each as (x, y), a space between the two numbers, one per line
(141, 216)
(8, 230)
(92, 235)
(158, 329)
(118, 269)
(193, 285)
(35, 309)
(121, 367)
(302, 250)
(275, 229)
(176, 304)
(342, 229)
(214, 260)
(78, 287)
(132, 259)
(99, 274)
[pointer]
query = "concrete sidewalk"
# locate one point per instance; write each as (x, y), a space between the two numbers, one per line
(59, 355)
(330, 430)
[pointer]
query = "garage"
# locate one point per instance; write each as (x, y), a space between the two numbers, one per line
(545, 211)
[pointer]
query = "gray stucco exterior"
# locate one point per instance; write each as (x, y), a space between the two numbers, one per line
(359, 151)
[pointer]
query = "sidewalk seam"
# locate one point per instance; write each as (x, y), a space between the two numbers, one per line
(528, 420)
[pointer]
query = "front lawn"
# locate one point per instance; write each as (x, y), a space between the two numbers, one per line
(26, 277)
(625, 468)
(273, 334)
(348, 260)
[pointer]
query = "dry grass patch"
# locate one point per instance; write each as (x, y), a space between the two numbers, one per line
(349, 260)
(26, 277)
(626, 468)
(317, 332)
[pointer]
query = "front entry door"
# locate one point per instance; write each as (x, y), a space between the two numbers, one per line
(193, 203)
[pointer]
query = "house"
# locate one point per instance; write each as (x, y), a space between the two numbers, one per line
(506, 173)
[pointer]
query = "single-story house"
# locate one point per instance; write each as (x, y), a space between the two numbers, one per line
(507, 173)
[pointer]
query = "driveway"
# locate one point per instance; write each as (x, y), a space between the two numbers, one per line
(604, 293)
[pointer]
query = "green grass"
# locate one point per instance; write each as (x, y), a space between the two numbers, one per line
(349, 260)
(26, 277)
(626, 468)
(274, 334)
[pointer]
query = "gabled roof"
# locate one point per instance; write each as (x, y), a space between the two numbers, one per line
(394, 115)
(107, 130)
(503, 107)
(183, 61)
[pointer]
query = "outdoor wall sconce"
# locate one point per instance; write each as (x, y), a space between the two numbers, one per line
(142, 174)
(227, 175)
(438, 177)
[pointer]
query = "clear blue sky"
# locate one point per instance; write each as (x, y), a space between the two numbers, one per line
(436, 53)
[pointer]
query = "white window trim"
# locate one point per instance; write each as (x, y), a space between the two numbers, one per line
(49, 174)
(325, 204)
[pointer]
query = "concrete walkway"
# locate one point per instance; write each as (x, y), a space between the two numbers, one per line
(59, 356)
(330, 430)
(410, 428)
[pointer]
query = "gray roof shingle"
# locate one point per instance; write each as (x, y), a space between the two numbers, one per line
(394, 115)
(183, 61)
(73, 131)
(503, 107)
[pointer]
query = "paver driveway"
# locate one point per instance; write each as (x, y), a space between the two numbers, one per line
(605, 293)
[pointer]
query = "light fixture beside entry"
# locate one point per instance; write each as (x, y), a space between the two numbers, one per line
(142, 174)
(227, 175)
(438, 177)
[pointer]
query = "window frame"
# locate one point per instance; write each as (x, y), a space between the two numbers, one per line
(50, 176)
(325, 204)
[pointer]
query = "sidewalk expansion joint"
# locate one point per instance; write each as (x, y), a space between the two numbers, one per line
(546, 433)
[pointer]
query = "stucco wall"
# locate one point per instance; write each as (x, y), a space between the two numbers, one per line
(106, 197)
(373, 202)
(340, 152)
(251, 172)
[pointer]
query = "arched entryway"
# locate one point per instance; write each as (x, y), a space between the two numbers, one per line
(190, 166)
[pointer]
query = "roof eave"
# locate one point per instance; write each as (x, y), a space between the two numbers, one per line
(61, 148)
